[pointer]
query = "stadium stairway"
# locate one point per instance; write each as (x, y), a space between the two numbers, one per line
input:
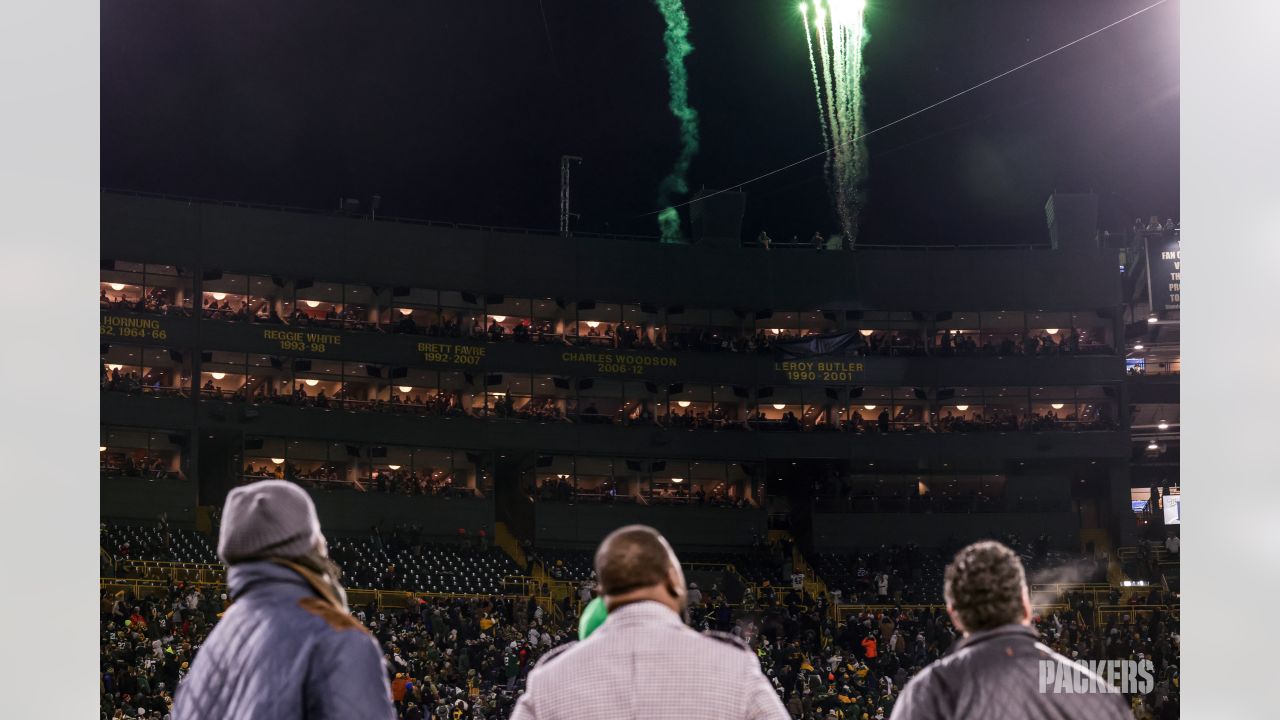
(1166, 567)
(505, 539)
(1101, 541)
(813, 584)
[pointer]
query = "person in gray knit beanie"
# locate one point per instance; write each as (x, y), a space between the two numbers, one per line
(288, 646)
(275, 520)
(272, 518)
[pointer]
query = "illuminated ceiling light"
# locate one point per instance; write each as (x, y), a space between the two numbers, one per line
(683, 403)
(406, 311)
(776, 331)
(962, 408)
(677, 480)
(312, 303)
(1153, 446)
(1163, 425)
(406, 388)
(311, 382)
(1152, 318)
(114, 367)
(278, 461)
(394, 467)
(779, 406)
(1138, 346)
(869, 407)
(593, 324)
(218, 375)
(102, 448)
(1052, 331)
(1056, 406)
(866, 333)
(219, 296)
(499, 318)
(117, 286)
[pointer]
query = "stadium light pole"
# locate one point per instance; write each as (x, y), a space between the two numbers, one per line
(565, 161)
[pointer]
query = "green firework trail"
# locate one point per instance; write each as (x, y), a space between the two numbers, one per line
(838, 25)
(817, 87)
(676, 38)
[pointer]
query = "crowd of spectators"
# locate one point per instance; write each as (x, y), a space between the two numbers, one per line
(548, 409)
(155, 301)
(563, 489)
(543, 409)
(415, 482)
(623, 335)
(135, 464)
(467, 659)
(950, 502)
(118, 379)
(1154, 225)
(463, 659)
(911, 574)
(988, 421)
(856, 667)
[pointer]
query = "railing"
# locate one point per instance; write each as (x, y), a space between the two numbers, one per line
(827, 246)
(1106, 612)
(140, 587)
(917, 505)
(868, 427)
(1156, 369)
(1062, 588)
(843, 612)
(161, 570)
(1099, 592)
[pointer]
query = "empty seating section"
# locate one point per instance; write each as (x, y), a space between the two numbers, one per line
(572, 565)
(151, 542)
(914, 574)
(438, 568)
(756, 566)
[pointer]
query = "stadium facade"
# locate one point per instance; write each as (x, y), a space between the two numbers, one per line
(548, 388)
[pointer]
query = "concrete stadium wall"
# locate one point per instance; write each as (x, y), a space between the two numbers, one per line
(846, 531)
(144, 499)
(346, 512)
(521, 265)
(584, 526)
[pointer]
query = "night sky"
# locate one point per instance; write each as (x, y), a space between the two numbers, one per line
(459, 111)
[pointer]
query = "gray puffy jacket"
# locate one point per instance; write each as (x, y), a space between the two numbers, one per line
(281, 652)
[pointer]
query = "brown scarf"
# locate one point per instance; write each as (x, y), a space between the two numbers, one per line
(325, 584)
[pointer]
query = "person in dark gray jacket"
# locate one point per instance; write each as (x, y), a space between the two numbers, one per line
(287, 647)
(999, 669)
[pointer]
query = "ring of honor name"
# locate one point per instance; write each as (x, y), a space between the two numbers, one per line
(303, 340)
(619, 363)
(826, 371)
(131, 327)
(452, 353)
